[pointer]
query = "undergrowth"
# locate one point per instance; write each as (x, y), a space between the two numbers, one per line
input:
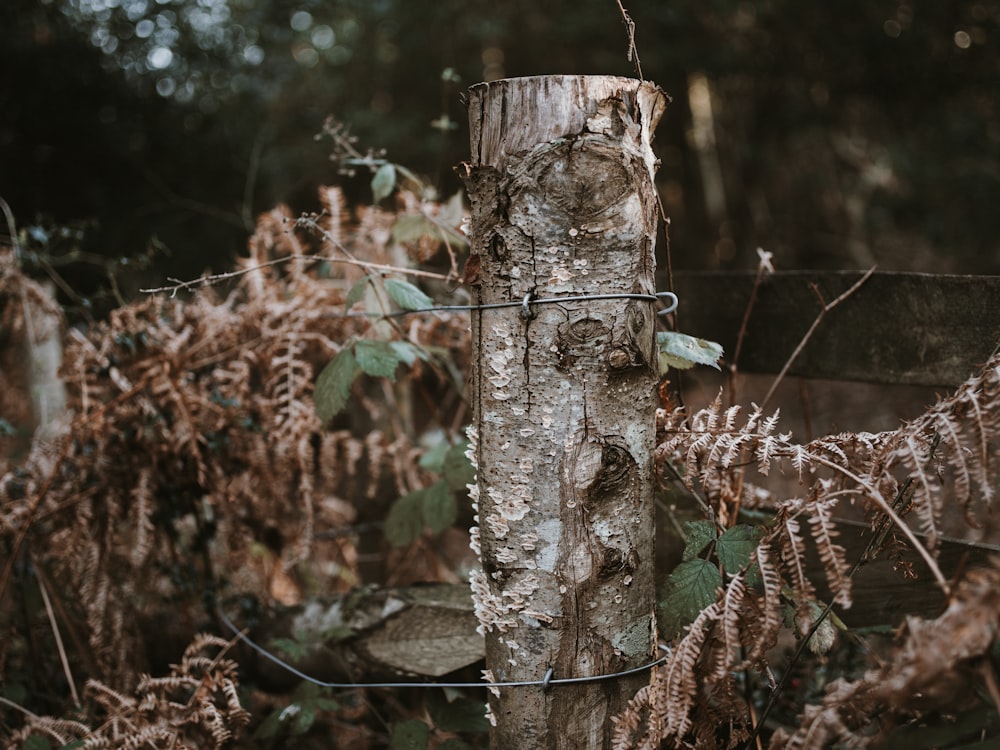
(238, 440)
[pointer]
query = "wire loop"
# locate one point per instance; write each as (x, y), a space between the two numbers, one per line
(525, 304)
(547, 681)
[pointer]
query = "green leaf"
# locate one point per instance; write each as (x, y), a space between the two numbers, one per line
(680, 351)
(438, 506)
(412, 228)
(288, 648)
(409, 735)
(690, 588)
(36, 742)
(409, 181)
(336, 634)
(406, 295)
(459, 715)
(456, 469)
(408, 353)
(405, 520)
(697, 536)
(433, 458)
(356, 293)
(303, 720)
(376, 358)
(736, 546)
(333, 386)
(384, 182)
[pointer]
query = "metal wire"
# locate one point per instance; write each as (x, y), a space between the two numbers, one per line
(544, 683)
(548, 680)
(528, 300)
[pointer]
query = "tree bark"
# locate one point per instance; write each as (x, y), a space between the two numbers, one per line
(563, 204)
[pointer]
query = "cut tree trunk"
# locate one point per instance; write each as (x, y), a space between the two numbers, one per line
(563, 395)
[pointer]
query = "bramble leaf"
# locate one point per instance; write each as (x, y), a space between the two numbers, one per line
(690, 588)
(411, 734)
(406, 295)
(736, 547)
(405, 521)
(697, 536)
(377, 358)
(457, 469)
(438, 506)
(408, 353)
(333, 386)
(413, 228)
(288, 648)
(433, 458)
(356, 293)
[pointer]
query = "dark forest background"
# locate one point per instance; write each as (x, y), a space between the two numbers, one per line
(835, 135)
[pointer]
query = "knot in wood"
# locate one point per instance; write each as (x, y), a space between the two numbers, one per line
(584, 177)
(619, 359)
(631, 334)
(582, 340)
(615, 476)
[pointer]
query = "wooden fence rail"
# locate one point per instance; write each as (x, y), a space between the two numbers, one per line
(897, 328)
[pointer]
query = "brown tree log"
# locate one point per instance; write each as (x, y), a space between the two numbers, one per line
(563, 204)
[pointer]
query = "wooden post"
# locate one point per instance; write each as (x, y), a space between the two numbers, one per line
(563, 204)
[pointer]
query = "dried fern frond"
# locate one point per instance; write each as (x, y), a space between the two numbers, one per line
(948, 452)
(196, 706)
(832, 555)
(195, 447)
(934, 669)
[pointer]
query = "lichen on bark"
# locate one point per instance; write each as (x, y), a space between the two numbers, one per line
(563, 204)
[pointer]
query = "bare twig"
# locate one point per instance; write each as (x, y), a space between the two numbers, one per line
(55, 632)
(180, 286)
(633, 53)
(11, 227)
(250, 185)
(815, 324)
(872, 493)
(764, 266)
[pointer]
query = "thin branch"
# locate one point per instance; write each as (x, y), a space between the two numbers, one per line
(179, 286)
(250, 184)
(805, 339)
(884, 506)
(55, 632)
(633, 53)
(11, 704)
(11, 227)
(763, 266)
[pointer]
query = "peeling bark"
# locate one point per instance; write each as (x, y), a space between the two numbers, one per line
(563, 204)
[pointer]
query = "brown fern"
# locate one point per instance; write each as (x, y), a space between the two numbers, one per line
(195, 446)
(950, 451)
(934, 669)
(196, 705)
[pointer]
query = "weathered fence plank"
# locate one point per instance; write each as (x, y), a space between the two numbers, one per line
(902, 328)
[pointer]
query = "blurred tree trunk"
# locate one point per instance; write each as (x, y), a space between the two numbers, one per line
(563, 204)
